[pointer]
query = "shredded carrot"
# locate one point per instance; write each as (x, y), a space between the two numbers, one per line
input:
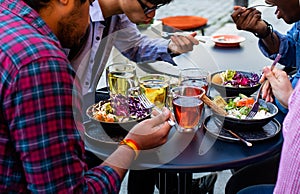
(245, 102)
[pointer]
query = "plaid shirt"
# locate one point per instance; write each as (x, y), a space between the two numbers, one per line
(40, 148)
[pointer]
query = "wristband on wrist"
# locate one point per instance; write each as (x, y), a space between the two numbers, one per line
(267, 33)
(133, 145)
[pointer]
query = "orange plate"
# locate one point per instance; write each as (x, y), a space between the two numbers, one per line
(227, 40)
(184, 22)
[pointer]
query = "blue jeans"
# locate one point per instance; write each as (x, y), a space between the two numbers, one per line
(258, 189)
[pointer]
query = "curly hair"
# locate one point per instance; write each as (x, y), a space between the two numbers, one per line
(157, 2)
(37, 5)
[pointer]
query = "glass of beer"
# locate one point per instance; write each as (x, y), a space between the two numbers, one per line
(155, 87)
(120, 77)
(187, 107)
(194, 77)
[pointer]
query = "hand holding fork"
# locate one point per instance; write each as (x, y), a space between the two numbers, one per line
(147, 104)
(255, 106)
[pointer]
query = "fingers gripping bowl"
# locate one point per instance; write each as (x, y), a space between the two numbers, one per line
(236, 117)
(117, 123)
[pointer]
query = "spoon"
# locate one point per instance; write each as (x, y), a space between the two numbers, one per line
(167, 34)
(219, 124)
(262, 5)
(249, 144)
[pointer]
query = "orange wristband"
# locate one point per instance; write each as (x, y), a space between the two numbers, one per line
(133, 145)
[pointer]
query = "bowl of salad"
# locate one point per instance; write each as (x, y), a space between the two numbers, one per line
(118, 121)
(237, 109)
(232, 83)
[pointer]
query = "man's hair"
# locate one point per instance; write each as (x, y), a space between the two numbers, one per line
(37, 5)
(157, 2)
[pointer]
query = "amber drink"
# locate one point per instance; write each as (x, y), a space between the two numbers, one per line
(120, 77)
(187, 107)
(155, 87)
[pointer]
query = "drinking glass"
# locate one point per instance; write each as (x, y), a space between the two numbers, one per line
(187, 107)
(155, 87)
(194, 77)
(120, 77)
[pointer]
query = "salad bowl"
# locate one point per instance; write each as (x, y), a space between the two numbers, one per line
(232, 83)
(117, 126)
(238, 121)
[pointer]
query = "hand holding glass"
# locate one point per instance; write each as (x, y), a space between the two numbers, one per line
(187, 107)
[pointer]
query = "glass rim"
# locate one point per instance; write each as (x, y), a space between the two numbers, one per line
(187, 86)
(166, 77)
(132, 66)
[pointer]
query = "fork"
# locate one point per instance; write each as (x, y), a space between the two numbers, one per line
(147, 104)
(255, 106)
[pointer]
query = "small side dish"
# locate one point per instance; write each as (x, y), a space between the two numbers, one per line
(227, 40)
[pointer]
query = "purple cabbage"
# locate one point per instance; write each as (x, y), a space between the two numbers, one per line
(240, 79)
(128, 107)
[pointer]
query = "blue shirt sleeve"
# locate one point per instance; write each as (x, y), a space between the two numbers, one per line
(138, 47)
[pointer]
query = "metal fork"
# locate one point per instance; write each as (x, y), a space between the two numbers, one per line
(255, 106)
(147, 104)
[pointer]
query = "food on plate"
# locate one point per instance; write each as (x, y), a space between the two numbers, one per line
(220, 102)
(133, 110)
(217, 79)
(239, 107)
(237, 79)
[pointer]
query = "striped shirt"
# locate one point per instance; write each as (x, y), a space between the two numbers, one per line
(40, 148)
(289, 168)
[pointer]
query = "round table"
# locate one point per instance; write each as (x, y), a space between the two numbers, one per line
(191, 153)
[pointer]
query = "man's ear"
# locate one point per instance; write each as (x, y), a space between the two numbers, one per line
(65, 2)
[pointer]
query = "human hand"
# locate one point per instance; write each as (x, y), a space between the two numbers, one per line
(152, 132)
(249, 20)
(182, 44)
(278, 85)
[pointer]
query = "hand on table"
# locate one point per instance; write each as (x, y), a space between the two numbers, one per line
(278, 84)
(152, 132)
(182, 44)
(249, 20)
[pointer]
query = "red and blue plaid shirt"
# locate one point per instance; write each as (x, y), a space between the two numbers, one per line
(40, 148)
